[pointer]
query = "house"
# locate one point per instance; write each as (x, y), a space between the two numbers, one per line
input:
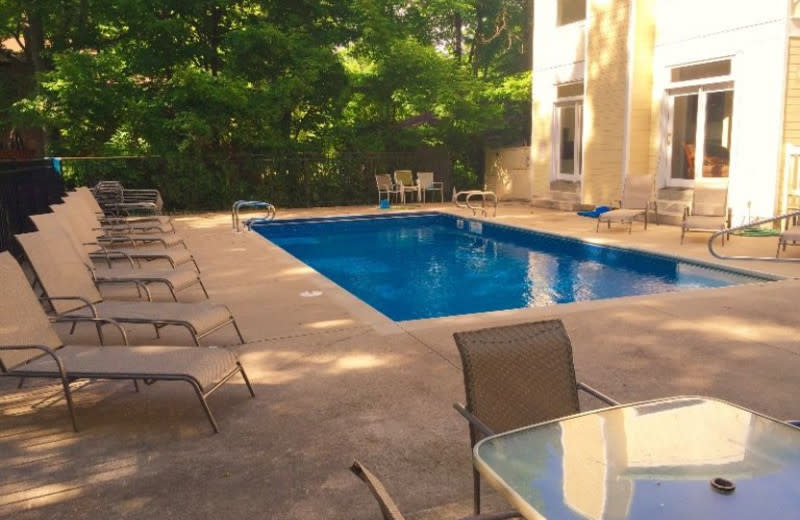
(625, 87)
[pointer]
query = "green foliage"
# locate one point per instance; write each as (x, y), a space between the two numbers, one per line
(203, 84)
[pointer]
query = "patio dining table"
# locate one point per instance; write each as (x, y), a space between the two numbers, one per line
(674, 458)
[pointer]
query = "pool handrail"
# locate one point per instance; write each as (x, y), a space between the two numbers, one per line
(259, 204)
(793, 215)
(484, 195)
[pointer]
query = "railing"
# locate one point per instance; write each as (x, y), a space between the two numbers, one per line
(269, 213)
(486, 197)
(794, 216)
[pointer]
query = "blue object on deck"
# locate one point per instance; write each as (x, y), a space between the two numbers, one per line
(384, 204)
(596, 212)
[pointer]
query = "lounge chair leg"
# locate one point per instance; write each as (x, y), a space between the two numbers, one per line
(172, 291)
(21, 382)
(70, 406)
(238, 332)
(196, 267)
(202, 286)
(204, 403)
(136, 385)
(246, 379)
(75, 324)
(99, 327)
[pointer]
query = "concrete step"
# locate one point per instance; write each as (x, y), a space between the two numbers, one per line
(563, 205)
(567, 196)
(569, 186)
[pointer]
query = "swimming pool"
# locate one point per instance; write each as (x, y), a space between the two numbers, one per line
(425, 265)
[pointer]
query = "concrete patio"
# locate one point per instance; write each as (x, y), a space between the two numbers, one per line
(336, 380)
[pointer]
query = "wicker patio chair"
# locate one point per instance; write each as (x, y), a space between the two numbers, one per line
(30, 348)
(88, 240)
(515, 376)
(69, 287)
(709, 212)
(388, 506)
(636, 201)
(60, 236)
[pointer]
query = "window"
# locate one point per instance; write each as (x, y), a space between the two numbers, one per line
(571, 11)
(701, 71)
(567, 128)
(570, 90)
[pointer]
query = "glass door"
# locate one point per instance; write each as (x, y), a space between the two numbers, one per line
(568, 140)
(701, 115)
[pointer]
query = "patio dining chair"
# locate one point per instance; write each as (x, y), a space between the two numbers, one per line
(515, 376)
(69, 288)
(31, 348)
(636, 202)
(115, 199)
(404, 180)
(388, 506)
(121, 224)
(86, 194)
(709, 212)
(425, 184)
(386, 187)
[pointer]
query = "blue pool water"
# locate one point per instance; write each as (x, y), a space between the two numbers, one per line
(413, 266)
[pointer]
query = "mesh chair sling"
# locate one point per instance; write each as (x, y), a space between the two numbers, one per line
(174, 279)
(386, 187)
(515, 376)
(30, 348)
(73, 294)
(387, 504)
(636, 197)
(709, 211)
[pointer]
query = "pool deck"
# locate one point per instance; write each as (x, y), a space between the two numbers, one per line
(336, 380)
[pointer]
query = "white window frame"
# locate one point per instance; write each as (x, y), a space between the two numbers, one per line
(577, 102)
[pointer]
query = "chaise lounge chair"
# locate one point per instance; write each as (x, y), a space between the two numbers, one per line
(709, 212)
(635, 202)
(175, 280)
(73, 294)
(88, 240)
(30, 348)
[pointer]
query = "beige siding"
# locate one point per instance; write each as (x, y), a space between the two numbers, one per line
(541, 149)
(605, 100)
(641, 90)
(791, 115)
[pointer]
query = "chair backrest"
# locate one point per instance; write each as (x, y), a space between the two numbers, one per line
(86, 194)
(51, 225)
(22, 319)
(710, 198)
(518, 375)
(388, 507)
(404, 177)
(59, 268)
(638, 191)
(79, 226)
(424, 179)
(384, 181)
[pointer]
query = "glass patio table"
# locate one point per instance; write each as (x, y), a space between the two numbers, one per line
(662, 459)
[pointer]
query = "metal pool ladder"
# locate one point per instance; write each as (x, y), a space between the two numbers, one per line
(269, 213)
(793, 216)
(486, 197)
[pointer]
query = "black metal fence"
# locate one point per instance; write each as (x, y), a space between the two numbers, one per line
(26, 188)
(301, 180)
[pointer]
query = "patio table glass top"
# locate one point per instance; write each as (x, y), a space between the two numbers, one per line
(649, 460)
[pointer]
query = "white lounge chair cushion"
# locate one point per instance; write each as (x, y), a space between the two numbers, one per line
(207, 365)
(620, 215)
(700, 222)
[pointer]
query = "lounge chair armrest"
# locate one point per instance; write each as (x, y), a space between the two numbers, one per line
(103, 321)
(86, 303)
(473, 420)
(45, 350)
(110, 254)
(794, 423)
(140, 285)
(597, 393)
